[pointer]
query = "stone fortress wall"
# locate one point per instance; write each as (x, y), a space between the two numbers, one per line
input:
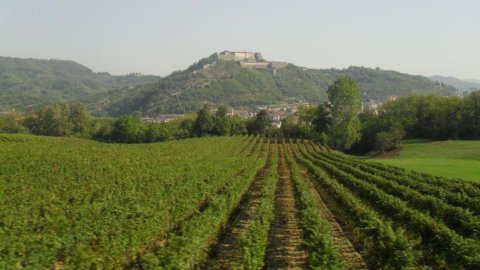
(251, 60)
(236, 56)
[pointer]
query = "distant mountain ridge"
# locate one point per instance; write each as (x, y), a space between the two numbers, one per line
(462, 85)
(218, 82)
(28, 83)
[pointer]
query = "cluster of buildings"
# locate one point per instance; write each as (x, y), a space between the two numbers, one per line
(276, 114)
(161, 118)
(374, 105)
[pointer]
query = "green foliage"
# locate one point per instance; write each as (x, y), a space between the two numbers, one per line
(10, 123)
(254, 242)
(187, 247)
(428, 117)
(204, 123)
(60, 119)
(344, 97)
(318, 239)
(79, 204)
(219, 124)
(436, 239)
(212, 81)
(471, 115)
(28, 83)
(386, 247)
(205, 61)
(388, 141)
(128, 129)
(457, 219)
(261, 122)
(73, 120)
(460, 84)
(322, 120)
(83, 204)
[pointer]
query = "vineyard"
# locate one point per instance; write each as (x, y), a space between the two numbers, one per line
(237, 202)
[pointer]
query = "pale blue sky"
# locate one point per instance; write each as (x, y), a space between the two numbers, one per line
(157, 37)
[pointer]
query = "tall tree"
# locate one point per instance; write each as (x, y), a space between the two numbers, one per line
(128, 129)
(79, 118)
(323, 117)
(344, 97)
(221, 125)
(203, 125)
(221, 111)
(471, 115)
(262, 122)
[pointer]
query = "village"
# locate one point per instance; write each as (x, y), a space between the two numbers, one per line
(276, 112)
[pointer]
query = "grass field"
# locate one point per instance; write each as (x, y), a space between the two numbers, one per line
(456, 159)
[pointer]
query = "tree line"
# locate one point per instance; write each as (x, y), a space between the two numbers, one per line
(338, 123)
(337, 120)
(73, 120)
(432, 117)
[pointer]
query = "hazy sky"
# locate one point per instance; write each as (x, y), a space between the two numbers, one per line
(158, 37)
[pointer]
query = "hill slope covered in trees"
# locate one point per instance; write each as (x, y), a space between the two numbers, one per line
(216, 82)
(29, 83)
(26, 83)
(462, 85)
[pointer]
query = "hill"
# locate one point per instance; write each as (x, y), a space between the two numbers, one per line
(456, 159)
(463, 85)
(26, 83)
(219, 82)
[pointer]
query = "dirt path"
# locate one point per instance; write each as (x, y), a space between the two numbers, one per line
(226, 254)
(285, 238)
(349, 255)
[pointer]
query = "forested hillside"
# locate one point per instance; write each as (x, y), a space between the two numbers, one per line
(463, 85)
(29, 83)
(26, 83)
(218, 82)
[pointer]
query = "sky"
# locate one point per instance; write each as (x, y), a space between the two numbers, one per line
(425, 37)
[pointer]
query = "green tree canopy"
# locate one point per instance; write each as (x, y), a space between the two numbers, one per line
(344, 97)
(204, 123)
(262, 122)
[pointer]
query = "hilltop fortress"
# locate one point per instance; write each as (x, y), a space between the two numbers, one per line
(251, 60)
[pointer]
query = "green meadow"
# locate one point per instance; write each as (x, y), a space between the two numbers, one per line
(455, 159)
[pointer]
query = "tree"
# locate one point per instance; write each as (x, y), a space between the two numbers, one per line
(262, 122)
(221, 112)
(388, 141)
(306, 115)
(128, 129)
(203, 124)
(237, 125)
(471, 115)
(9, 123)
(344, 96)
(53, 121)
(323, 117)
(221, 125)
(80, 119)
